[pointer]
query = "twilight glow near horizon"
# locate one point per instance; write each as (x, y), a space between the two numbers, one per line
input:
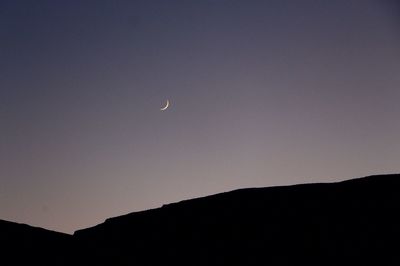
(262, 93)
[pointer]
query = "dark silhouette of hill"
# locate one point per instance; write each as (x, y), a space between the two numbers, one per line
(22, 244)
(346, 223)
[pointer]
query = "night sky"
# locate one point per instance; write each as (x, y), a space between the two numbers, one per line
(262, 93)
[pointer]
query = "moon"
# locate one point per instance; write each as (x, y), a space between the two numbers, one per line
(165, 107)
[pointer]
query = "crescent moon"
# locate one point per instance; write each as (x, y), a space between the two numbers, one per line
(165, 107)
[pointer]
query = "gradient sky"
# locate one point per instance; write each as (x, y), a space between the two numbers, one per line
(262, 93)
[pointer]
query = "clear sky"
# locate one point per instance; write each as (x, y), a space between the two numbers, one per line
(262, 93)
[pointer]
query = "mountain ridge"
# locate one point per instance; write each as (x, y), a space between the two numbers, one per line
(370, 178)
(348, 222)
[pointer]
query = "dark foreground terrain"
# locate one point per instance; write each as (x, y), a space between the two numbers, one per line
(347, 223)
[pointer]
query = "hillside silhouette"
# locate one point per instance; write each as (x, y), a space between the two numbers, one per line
(352, 222)
(21, 244)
